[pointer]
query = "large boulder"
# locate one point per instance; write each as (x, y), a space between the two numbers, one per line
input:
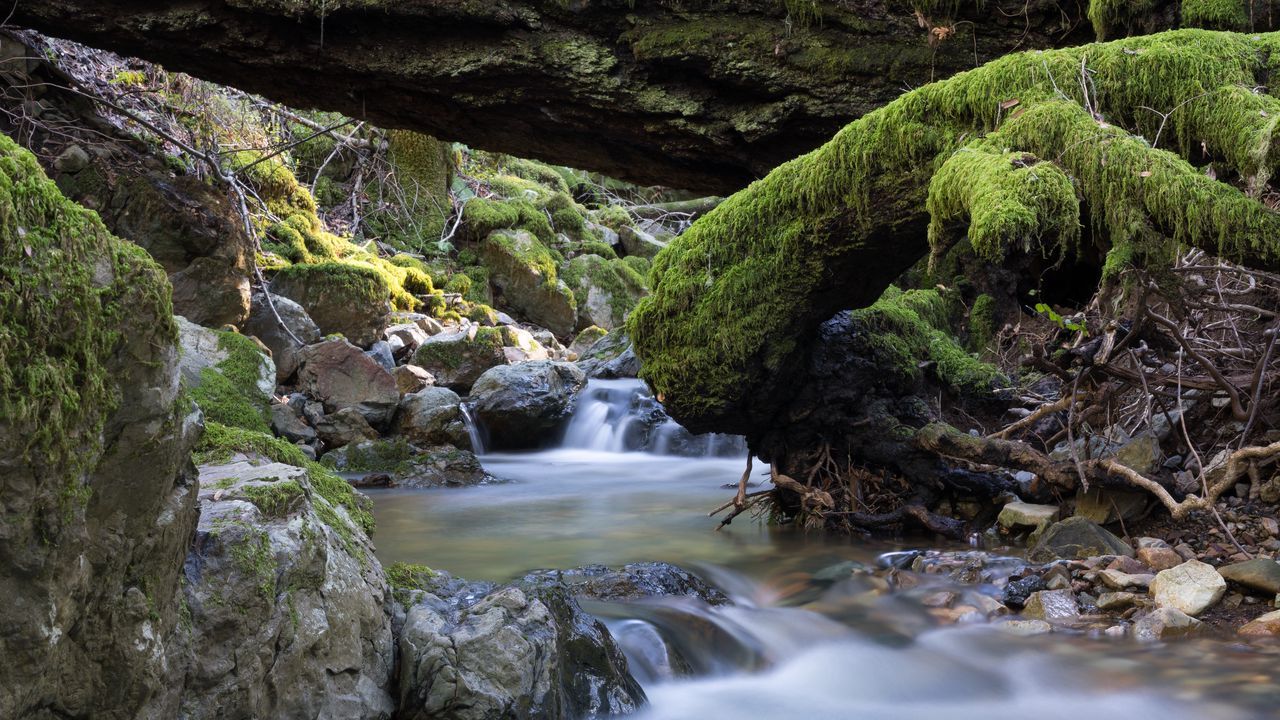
(432, 416)
(227, 374)
(610, 357)
(521, 406)
(349, 299)
(284, 348)
(341, 376)
(506, 652)
(457, 358)
(523, 272)
(98, 498)
(285, 601)
(606, 290)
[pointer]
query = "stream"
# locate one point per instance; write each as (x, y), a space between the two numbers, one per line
(627, 485)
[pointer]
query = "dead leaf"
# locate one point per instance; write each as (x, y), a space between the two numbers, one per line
(1005, 105)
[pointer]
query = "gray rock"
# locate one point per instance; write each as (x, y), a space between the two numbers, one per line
(1118, 580)
(432, 416)
(638, 242)
(611, 357)
(284, 349)
(1191, 587)
(205, 349)
(285, 602)
(409, 335)
(341, 376)
(1165, 624)
(72, 160)
(634, 581)
(1259, 574)
(1052, 605)
(457, 358)
(507, 652)
(344, 427)
(332, 305)
(380, 352)
(1020, 515)
(411, 378)
(287, 423)
(442, 466)
(1077, 538)
(522, 406)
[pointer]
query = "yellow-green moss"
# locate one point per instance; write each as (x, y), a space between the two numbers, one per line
(982, 323)
(67, 291)
(228, 393)
(276, 499)
(1112, 18)
(407, 580)
(613, 276)
(1215, 14)
(424, 170)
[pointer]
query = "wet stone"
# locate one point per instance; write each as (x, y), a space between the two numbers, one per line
(1052, 605)
(1116, 600)
(1261, 574)
(1164, 624)
(1017, 591)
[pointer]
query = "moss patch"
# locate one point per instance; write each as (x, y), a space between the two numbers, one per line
(228, 394)
(408, 579)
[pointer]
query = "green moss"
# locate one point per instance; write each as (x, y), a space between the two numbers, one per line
(982, 323)
(614, 217)
(407, 579)
(360, 283)
(228, 393)
(253, 557)
(736, 296)
(1215, 14)
(1112, 18)
(481, 216)
(424, 171)
(376, 456)
(604, 250)
(570, 222)
(67, 289)
(525, 250)
(483, 314)
(641, 265)
(459, 283)
(589, 336)
(618, 279)
(276, 499)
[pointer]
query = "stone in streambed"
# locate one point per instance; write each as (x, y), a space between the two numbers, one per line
(1191, 587)
(1052, 605)
(1159, 558)
(342, 376)
(1077, 538)
(1260, 574)
(1263, 626)
(1164, 624)
(1019, 515)
(521, 406)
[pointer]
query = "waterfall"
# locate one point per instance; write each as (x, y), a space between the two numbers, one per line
(622, 416)
(474, 430)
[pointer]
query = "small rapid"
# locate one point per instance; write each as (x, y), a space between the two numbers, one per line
(627, 484)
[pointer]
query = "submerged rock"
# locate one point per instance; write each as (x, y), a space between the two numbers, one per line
(522, 406)
(1165, 624)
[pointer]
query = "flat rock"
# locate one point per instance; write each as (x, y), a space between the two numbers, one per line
(1116, 600)
(1164, 624)
(1026, 515)
(1191, 587)
(1159, 558)
(1024, 627)
(1260, 574)
(1118, 580)
(1077, 538)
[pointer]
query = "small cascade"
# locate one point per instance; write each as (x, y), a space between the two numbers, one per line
(622, 416)
(474, 430)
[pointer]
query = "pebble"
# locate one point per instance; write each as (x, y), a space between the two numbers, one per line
(1159, 558)
(1263, 626)
(1118, 580)
(1116, 600)
(1165, 623)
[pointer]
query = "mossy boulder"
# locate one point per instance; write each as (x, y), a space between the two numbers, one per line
(98, 506)
(523, 274)
(457, 358)
(524, 406)
(606, 290)
(228, 376)
(343, 298)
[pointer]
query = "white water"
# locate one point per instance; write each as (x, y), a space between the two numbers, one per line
(622, 416)
(780, 652)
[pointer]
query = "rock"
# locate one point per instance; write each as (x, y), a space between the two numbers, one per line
(411, 378)
(521, 406)
(1141, 454)
(1052, 605)
(287, 423)
(1267, 625)
(523, 272)
(606, 290)
(1159, 558)
(380, 352)
(98, 503)
(285, 602)
(507, 652)
(1017, 592)
(1126, 564)
(284, 349)
(1024, 627)
(442, 466)
(350, 300)
(432, 416)
(72, 160)
(370, 455)
(1105, 506)
(1119, 580)
(429, 325)
(344, 427)
(227, 375)
(341, 376)
(521, 346)
(212, 292)
(1116, 600)
(1165, 624)
(1076, 538)
(1260, 574)
(1191, 587)
(583, 341)
(410, 335)
(1020, 515)
(610, 357)
(634, 581)
(638, 242)
(1270, 526)
(457, 358)
(552, 346)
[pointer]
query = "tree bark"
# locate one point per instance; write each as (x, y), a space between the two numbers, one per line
(693, 94)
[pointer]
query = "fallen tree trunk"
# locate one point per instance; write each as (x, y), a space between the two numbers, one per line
(694, 94)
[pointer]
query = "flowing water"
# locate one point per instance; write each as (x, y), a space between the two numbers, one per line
(627, 485)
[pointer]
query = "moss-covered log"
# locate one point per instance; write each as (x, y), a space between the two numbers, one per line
(690, 93)
(1148, 144)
